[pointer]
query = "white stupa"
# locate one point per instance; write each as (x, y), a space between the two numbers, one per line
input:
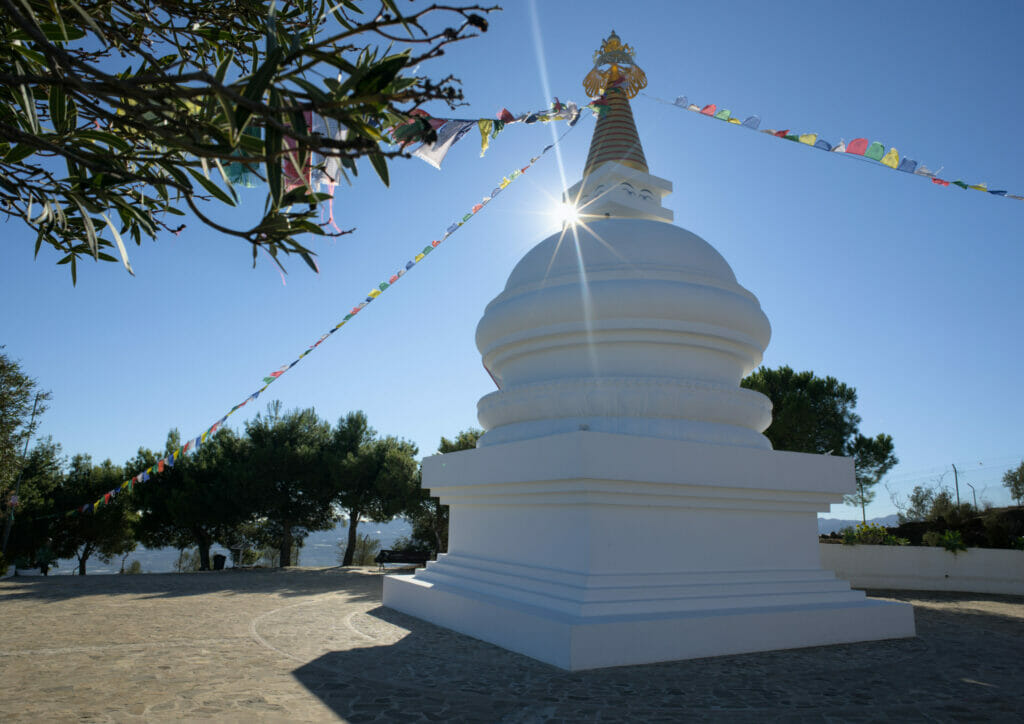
(623, 506)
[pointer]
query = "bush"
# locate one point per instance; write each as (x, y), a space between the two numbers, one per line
(871, 534)
(365, 550)
(952, 541)
(133, 568)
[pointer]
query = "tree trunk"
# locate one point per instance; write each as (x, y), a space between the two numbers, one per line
(350, 549)
(286, 546)
(203, 542)
(83, 557)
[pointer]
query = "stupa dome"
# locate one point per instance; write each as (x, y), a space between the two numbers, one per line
(629, 326)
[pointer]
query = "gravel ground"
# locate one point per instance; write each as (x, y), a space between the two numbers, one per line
(316, 645)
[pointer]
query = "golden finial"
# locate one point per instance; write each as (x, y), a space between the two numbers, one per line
(615, 67)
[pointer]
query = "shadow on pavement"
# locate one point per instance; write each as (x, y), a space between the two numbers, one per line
(959, 667)
(360, 583)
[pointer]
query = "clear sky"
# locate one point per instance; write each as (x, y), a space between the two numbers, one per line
(907, 291)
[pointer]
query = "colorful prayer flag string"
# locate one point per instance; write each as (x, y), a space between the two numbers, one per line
(861, 147)
(195, 444)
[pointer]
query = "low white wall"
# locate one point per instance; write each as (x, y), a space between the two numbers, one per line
(922, 568)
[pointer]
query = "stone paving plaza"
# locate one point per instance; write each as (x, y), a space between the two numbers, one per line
(316, 645)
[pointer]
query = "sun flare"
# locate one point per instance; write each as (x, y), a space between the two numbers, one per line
(567, 213)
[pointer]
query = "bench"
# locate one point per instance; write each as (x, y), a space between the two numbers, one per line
(418, 558)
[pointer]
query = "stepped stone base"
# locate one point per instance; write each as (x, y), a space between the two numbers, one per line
(590, 549)
(576, 643)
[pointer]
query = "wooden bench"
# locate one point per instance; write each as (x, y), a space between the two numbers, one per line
(418, 558)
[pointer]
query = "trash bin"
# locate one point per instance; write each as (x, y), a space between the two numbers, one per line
(218, 562)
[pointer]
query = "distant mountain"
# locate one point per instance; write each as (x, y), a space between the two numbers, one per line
(834, 525)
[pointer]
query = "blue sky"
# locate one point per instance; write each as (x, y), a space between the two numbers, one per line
(907, 291)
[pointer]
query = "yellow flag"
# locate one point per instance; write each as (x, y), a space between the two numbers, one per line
(892, 158)
(808, 138)
(418, 258)
(979, 187)
(375, 293)
(737, 121)
(485, 126)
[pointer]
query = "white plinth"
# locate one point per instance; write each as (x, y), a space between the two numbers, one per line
(589, 549)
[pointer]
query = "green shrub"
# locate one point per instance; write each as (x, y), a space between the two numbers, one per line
(932, 538)
(365, 552)
(1018, 544)
(871, 534)
(953, 541)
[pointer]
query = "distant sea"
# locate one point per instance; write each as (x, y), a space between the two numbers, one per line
(320, 549)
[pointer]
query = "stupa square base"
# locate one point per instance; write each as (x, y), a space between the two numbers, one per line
(592, 549)
(577, 643)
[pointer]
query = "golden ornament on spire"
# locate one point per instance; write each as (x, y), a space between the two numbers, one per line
(615, 67)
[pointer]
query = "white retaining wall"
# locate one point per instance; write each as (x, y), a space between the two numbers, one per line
(922, 568)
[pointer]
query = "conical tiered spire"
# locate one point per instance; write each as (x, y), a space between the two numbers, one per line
(616, 75)
(616, 181)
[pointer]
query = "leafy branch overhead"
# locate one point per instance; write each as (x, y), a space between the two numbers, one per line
(118, 116)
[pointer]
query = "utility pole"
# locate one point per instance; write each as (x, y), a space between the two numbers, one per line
(17, 486)
(975, 493)
(956, 482)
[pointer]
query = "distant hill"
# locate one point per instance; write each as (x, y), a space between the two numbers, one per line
(834, 525)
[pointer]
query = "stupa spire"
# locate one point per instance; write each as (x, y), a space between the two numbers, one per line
(619, 78)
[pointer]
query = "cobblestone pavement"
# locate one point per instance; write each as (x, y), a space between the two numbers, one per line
(315, 645)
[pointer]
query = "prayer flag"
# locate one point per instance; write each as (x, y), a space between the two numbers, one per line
(724, 115)
(374, 293)
(857, 146)
(997, 193)
(960, 183)
(979, 187)
(923, 170)
(907, 165)
(875, 151)
(681, 101)
(486, 126)
(708, 110)
(447, 136)
(160, 466)
(892, 158)
(808, 138)
(841, 148)
(823, 145)
(506, 116)
(752, 122)
(781, 134)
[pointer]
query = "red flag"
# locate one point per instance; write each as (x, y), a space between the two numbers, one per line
(160, 466)
(504, 115)
(709, 110)
(940, 182)
(857, 146)
(782, 134)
